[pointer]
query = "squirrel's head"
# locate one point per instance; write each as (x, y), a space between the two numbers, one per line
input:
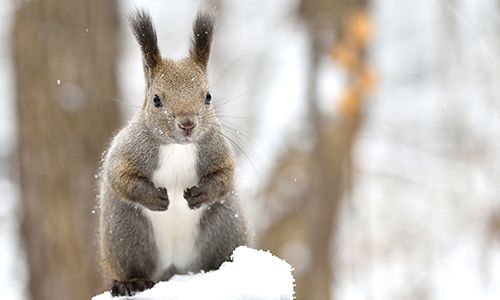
(177, 106)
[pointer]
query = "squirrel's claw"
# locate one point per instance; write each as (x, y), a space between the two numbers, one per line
(159, 201)
(195, 196)
(162, 193)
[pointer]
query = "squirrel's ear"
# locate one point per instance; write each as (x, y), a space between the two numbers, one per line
(201, 44)
(145, 34)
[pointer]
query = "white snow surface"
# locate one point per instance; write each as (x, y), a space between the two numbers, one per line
(251, 275)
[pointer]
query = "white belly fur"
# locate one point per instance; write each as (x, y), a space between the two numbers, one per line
(175, 229)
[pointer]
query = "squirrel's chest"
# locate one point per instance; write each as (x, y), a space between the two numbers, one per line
(175, 229)
(176, 168)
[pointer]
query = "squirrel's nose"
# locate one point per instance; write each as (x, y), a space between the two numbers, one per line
(189, 124)
(186, 124)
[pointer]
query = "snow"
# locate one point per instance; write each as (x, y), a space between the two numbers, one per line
(252, 274)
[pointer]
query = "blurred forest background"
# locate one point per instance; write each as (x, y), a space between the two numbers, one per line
(368, 136)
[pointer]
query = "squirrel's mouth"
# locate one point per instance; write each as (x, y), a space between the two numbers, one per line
(186, 136)
(186, 140)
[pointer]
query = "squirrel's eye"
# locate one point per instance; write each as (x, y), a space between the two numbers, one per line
(208, 99)
(157, 101)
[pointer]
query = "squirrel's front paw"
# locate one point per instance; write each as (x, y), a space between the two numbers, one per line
(159, 201)
(196, 196)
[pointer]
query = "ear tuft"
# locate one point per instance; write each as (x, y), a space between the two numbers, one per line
(201, 44)
(145, 34)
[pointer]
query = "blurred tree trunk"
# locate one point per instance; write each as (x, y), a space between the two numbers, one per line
(64, 57)
(314, 220)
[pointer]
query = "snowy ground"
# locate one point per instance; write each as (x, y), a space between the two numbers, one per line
(251, 275)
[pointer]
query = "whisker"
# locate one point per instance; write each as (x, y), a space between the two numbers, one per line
(243, 153)
(125, 102)
(247, 151)
(222, 116)
(240, 133)
(226, 101)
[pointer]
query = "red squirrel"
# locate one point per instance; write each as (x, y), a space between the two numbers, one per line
(167, 204)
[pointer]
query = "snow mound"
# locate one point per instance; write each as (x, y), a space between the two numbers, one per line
(251, 275)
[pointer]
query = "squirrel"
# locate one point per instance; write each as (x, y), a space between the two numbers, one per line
(166, 198)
